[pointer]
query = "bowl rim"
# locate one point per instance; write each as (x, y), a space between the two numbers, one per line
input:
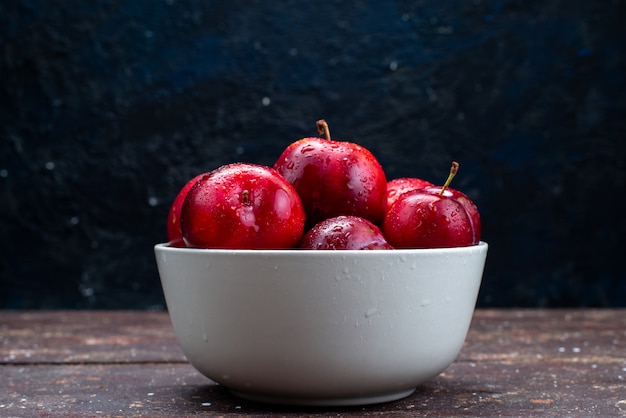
(478, 248)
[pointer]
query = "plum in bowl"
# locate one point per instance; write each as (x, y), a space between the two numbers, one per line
(321, 328)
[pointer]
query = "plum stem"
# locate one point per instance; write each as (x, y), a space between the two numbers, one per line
(323, 129)
(453, 170)
(245, 195)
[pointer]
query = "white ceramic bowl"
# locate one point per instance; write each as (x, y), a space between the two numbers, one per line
(321, 327)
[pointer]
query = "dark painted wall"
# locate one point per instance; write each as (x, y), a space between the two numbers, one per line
(108, 107)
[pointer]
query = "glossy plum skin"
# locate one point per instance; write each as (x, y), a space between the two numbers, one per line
(335, 178)
(174, 233)
(419, 219)
(467, 203)
(345, 233)
(399, 186)
(242, 206)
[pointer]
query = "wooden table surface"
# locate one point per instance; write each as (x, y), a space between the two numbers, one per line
(124, 363)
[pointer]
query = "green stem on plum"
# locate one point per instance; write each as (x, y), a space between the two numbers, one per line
(453, 170)
(323, 129)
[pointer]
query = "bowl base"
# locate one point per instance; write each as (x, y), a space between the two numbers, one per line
(356, 401)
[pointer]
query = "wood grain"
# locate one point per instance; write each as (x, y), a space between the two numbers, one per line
(514, 363)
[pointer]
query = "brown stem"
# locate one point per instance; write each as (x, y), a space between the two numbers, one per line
(323, 129)
(453, 170)
(245, 195)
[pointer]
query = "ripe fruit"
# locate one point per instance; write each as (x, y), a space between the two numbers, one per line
(174, 233)
(242, 206)
(334, 178)
(467, 204)
(399, 186)
(429, 218)
(345, 233)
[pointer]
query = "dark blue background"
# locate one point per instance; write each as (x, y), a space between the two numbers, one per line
(108, 107)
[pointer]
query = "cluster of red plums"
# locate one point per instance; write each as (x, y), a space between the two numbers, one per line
(321, 194)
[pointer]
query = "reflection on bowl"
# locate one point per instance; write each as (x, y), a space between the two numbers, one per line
(321, 327)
